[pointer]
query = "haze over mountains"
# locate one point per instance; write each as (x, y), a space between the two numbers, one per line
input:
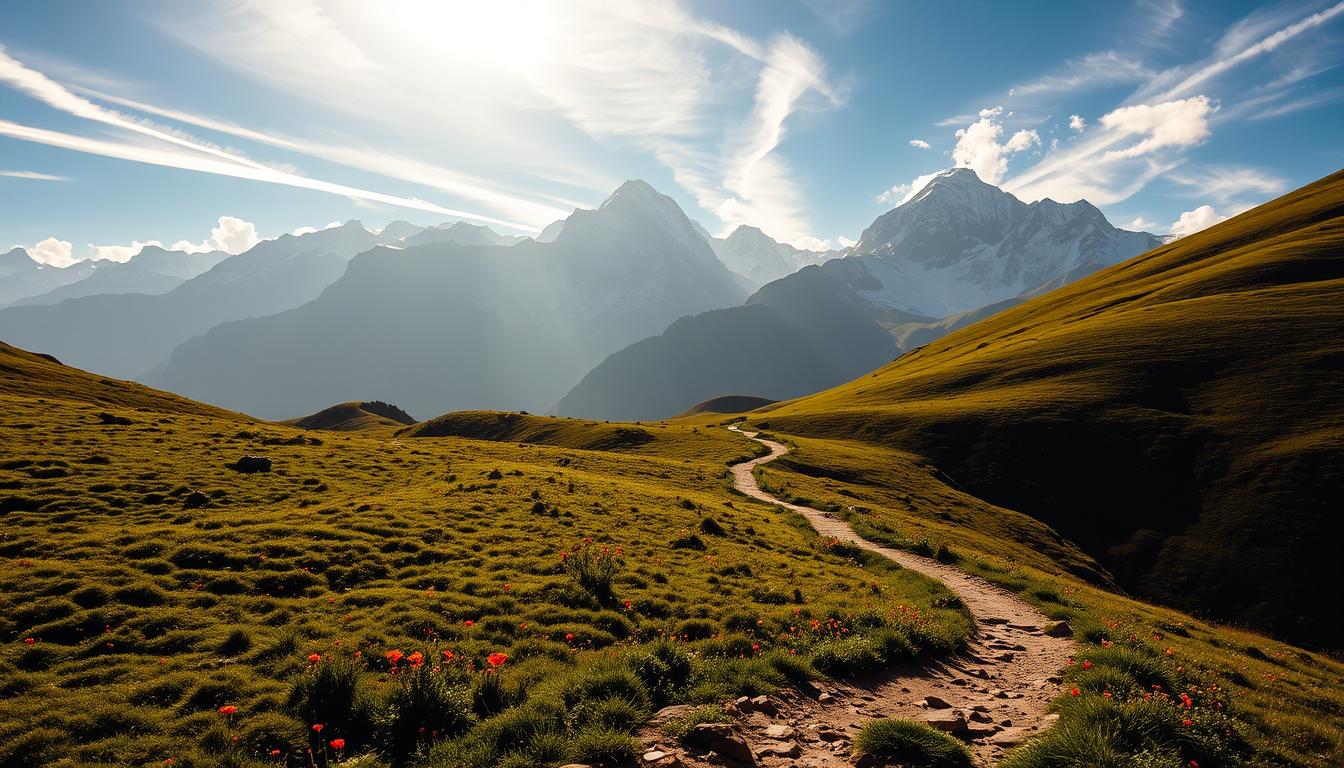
(630, 311)
(957, 246)
(443, 326)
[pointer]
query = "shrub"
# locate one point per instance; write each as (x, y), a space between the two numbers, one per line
(664, 667)
(594, 569)
(603, 746)
(678, 727)
(906, 741)
(328, 693)
(426, 706)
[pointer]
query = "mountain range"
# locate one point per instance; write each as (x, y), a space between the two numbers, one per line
(444, 326)
(22, 276)
(958, 250)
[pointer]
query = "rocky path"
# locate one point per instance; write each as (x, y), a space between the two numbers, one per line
(993, 695)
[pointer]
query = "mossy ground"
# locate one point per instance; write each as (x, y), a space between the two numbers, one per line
(157, 585)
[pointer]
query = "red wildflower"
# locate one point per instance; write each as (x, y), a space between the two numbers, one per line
(1073, 692)
(569, 637)
(447, 655)
(755, 646)
(168, 761)
(228, 710)
(393, 657)
(31, 640)
(1087, 664)
(275, 753)
(1187, 722)
(317, 727)
(1187, 701)
(497, 659)
(313, 658)
(337, 743)
(469, 623)
(416, 659)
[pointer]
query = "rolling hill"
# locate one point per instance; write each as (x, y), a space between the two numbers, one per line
(354, 416)
(1178, 416)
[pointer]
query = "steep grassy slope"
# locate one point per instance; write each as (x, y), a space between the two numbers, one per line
(155, 603)
(1254, 701)
(1180, 416)
(354, 416)
(34, 378)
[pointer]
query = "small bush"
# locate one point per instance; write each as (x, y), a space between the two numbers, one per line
(426, 706)
(603, 746)
(906, 741)
(594, 570)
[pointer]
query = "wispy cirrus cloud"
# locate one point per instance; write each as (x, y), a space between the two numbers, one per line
(652, 78)
(184, 151)
(33, 176)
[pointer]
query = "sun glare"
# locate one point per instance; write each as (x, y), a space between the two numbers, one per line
(506, 36)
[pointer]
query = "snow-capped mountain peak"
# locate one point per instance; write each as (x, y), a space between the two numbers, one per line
(959, 244)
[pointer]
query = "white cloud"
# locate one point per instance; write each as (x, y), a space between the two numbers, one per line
(1232, 186)
(120, 252)
(1141, 223)
(1077, 123)
(32, 176)
(845, 242)
(979, 149)
(310, 230)
(231, 235)
(919, 144)
(1191, 222)
(1169, 124)
(899, 193)
(52, 251)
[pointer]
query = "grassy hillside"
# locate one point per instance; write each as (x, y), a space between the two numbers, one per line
(155, 603)
(35, 378)
(1255, 701)
(354, 416)
(1179, 416)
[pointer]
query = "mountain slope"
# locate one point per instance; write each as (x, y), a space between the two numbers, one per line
(127, 334)
(22, 276)
(153, 270)
(958, 242)
(444, 327)
(25, 374)
(756, 256)
(1178, 416)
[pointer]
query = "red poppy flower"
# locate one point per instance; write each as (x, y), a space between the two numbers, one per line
(1087, 664)
(1073, 692)
(275, 753)
(1187, 722)
(313, 658)
(31, 640)
(168, 761)
(447, 655)
(317, 727)
(569, 637)
(337, 743)
(416, 659)
(393, 657)
(469, 623)
(228, 710)
(496, 659)
(1186, 700)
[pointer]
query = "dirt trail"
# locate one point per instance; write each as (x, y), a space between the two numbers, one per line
(993, 695)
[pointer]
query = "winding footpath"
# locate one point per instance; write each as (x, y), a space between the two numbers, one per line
(993, 695)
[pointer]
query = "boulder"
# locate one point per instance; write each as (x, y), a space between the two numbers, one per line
(195, 499)
(723, 739)
(1062, 629)
(947, 720)
(933, 702)
(251, 464)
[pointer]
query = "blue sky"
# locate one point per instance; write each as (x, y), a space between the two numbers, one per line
(123, 123)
